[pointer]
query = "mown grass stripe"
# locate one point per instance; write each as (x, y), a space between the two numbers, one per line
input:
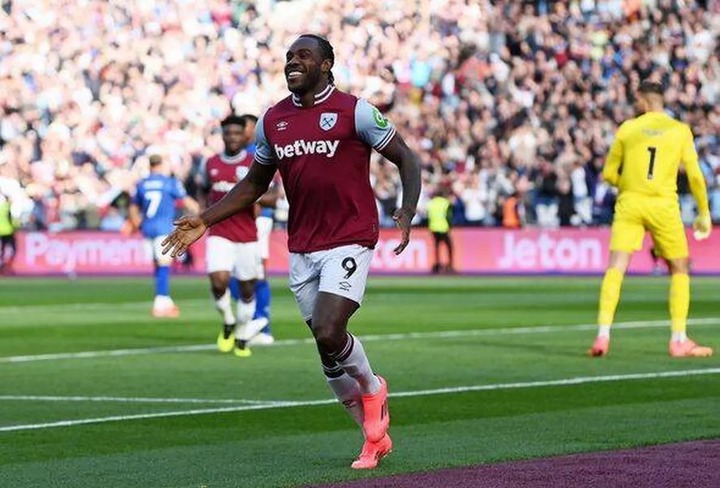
(403, 394)
(448, 334)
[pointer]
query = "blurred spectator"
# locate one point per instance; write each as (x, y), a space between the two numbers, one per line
(510, 208)
(7, 235)
(546, 196)
(113, 220)
(492, 94)
(474, 195)
(439, 218)
(566, 202)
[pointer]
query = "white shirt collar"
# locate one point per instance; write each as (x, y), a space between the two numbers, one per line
(233, 159)
(319, 97)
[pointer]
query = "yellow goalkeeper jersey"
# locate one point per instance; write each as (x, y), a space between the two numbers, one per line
(646, 155)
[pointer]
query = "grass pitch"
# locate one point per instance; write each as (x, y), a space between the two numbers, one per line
(94, 392)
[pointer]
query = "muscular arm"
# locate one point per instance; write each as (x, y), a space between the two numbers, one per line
(398, 153)
(376, 131)
(243, 194)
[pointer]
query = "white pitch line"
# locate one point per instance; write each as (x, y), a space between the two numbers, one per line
(62, 307)
(403, 394)
(447, 334)
(54, 398)
(108, 353)
(565, 382)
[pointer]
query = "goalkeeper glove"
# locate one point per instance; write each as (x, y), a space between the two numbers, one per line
(702, 227)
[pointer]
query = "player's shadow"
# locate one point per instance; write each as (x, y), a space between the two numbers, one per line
(568, 351)
(572, 350)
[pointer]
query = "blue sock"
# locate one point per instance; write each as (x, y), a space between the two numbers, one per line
(234, 288)
(162, 281)
(262, 307)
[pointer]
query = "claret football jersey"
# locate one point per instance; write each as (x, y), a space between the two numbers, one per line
(222, 172)
(323, 155)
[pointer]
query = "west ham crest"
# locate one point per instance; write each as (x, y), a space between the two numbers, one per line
(328, 120)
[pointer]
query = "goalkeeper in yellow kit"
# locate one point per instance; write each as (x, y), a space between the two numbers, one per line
(643, 163)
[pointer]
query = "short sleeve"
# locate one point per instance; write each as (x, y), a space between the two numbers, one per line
(263, 152)
(371, 126)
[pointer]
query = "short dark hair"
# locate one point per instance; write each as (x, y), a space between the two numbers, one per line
(326, 50)
(155, 160)
(650, 86)
(248, 118)
(232, 119)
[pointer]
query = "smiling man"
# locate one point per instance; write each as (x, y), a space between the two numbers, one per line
(320, 140)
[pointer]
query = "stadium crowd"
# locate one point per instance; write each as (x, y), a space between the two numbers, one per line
(511, 105)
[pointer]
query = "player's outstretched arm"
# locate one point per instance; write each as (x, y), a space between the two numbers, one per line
(398, 153)
(243, 194)
(190, 228)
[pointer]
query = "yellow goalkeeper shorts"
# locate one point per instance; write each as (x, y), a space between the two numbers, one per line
(635, 214)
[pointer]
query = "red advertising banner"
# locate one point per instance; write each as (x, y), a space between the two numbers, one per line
(477, 251)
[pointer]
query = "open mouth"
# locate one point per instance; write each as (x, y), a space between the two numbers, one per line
(293, 74)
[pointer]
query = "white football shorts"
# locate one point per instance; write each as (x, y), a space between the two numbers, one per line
(239, 258)
(153, 250)
(264, 228)
(341, 271)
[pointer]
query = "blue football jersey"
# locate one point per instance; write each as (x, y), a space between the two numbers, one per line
(156, 196)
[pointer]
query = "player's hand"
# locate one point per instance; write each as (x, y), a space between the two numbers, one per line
(702, 227)
(403, 218)
(187, 230)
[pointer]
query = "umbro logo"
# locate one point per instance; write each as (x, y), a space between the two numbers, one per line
(282, 125)
(214, 172)
(344, 286)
